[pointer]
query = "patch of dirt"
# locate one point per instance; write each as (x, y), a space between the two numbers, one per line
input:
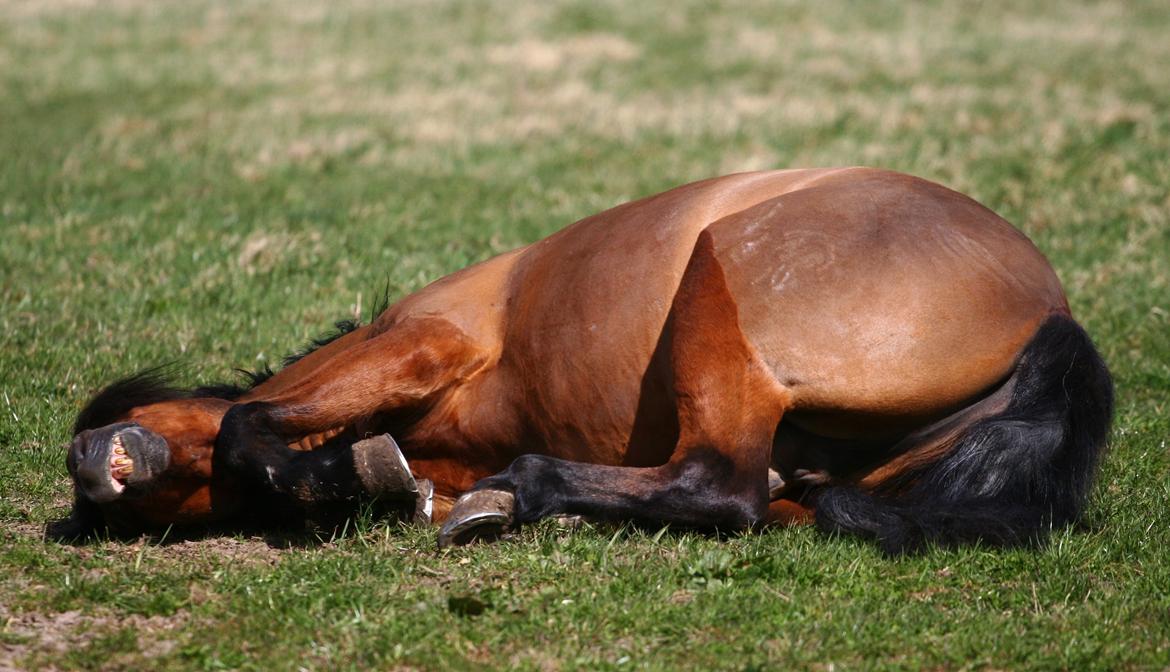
(232, 550)
(32, 637)
(227, 549)
(28, 530)
(39, 640)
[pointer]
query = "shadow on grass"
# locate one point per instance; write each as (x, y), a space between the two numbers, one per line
(278, 528)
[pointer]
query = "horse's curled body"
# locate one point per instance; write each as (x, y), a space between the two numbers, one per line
(857, 345)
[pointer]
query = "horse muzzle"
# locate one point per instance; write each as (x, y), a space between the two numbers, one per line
(108, 462)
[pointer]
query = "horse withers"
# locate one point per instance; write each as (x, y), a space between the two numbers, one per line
(853, 346)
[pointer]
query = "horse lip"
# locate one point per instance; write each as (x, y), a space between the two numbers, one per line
(93, 454)
(147, 451)
(92, 472)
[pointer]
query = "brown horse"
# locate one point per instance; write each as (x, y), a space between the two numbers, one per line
(855, 345)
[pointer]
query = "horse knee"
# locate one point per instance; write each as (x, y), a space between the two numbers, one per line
(245, 443)
(237, 424)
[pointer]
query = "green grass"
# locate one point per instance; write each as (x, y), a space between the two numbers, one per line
(213, 183)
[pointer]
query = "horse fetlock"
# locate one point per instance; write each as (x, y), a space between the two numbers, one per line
(479, 515)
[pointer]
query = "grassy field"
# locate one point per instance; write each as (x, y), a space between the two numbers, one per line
(213, 183)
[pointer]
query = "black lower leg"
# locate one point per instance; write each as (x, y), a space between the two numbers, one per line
(248, 445)
(702, 491)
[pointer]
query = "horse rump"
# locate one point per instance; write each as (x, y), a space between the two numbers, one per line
(1010, 478)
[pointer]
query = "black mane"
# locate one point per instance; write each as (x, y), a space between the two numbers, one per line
(145, 387)
(154, 385)
(233, 391)
(340, 328)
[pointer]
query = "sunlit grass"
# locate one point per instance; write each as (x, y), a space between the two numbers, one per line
(214, 183)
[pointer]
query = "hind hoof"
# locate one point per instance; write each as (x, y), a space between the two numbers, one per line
(480, 515)
(812, 477)
(424, 503)
(382, 469)
(776, 484)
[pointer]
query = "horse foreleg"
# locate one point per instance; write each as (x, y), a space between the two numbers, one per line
(728, 405)
(405, 367)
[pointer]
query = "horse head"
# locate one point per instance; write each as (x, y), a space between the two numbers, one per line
(141, 459)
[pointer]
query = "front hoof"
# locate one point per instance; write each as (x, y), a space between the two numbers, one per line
(478, 515)
(383, 470)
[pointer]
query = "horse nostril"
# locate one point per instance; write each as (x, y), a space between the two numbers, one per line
(75, 453)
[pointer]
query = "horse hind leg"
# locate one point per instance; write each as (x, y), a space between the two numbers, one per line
(1005, 479)
(728, 406)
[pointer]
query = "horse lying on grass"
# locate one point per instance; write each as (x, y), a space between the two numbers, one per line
(857, 347)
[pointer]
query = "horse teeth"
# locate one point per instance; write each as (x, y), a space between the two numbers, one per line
(121, 466)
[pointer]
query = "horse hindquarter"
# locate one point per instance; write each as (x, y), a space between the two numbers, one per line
(1007, 479)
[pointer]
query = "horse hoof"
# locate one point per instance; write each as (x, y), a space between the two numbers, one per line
(811, 477)
(776, 484)
(424, 503)
(477, 515)
(382, 469)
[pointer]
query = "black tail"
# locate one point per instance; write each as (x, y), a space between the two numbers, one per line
(1011, 477)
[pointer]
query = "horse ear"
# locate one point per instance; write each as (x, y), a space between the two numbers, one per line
(84, 522)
